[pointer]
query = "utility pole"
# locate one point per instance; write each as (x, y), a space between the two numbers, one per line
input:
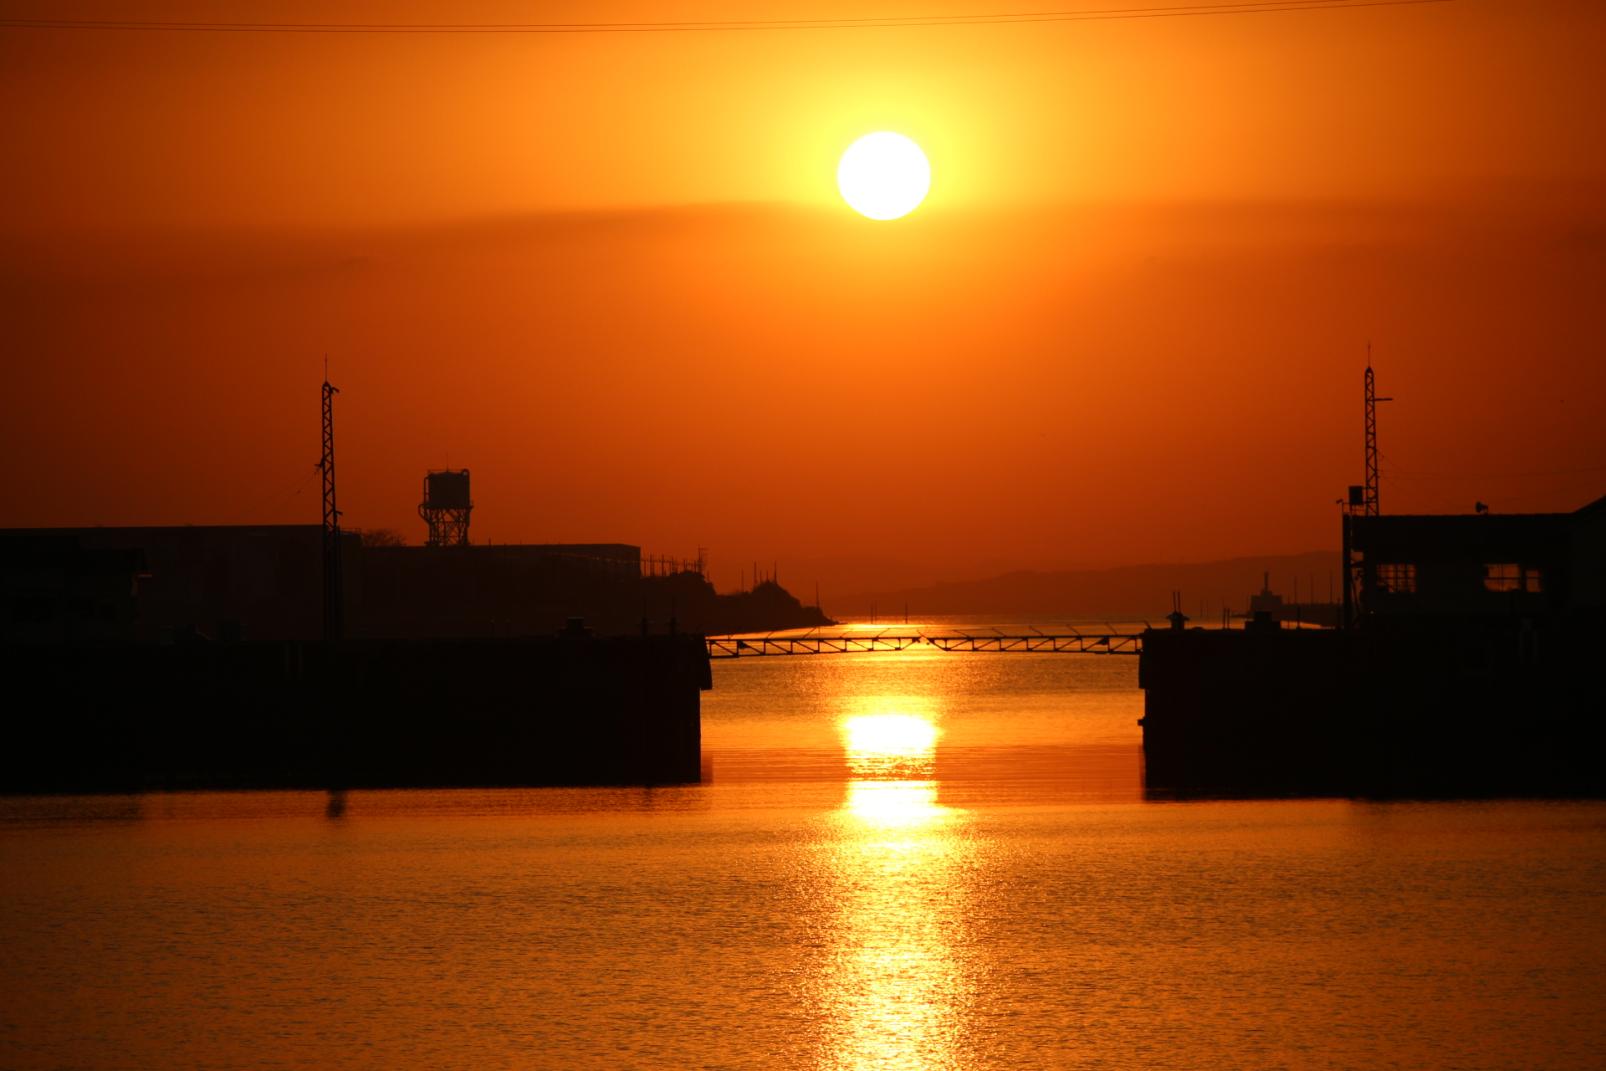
(333, 592)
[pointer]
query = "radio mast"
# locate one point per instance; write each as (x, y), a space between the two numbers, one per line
(333, 602)
(1371, 507)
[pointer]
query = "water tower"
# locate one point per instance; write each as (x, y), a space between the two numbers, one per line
(446, 508)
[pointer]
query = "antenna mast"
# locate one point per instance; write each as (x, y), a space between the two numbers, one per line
(1363, 501)
(333, 603)
(1371, 508)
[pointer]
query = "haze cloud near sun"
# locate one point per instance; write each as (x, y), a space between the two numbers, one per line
(1128, 322)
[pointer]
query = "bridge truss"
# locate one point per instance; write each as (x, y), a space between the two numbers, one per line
(1120, 643)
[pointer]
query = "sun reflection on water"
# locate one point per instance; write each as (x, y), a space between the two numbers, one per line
(897, 988)
(894, 804)
(890, 745)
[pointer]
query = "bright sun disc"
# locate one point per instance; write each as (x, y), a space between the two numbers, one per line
(883, 175)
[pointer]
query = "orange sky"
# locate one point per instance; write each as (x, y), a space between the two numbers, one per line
(611, 275)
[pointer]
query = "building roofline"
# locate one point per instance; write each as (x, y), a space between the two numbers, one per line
(1597, 506)
(77, 528)
(1461, 516)
(1588, 509)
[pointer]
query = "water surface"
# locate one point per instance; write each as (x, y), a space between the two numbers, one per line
(922, 860)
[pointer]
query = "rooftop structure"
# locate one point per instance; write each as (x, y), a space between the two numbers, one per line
(1482, 564)
(446, 507)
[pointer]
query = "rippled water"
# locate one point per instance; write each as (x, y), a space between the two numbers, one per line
(899, 861)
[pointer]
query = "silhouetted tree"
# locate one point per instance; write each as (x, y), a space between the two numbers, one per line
(383, 537)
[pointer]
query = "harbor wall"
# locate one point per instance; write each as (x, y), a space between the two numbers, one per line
(568, 710)
(1416, 708)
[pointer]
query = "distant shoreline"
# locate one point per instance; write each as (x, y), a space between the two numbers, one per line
(1129, 592)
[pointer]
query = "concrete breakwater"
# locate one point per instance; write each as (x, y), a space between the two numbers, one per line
(564, 710)
(1400, 709)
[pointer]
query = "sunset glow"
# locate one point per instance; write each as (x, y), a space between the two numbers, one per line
(1110, 206)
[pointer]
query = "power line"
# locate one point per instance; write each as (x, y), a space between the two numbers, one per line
(1246, 7)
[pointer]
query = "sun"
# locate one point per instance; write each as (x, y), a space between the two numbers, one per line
(883, 175)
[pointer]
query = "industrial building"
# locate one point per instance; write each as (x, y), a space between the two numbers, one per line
(265, 582)
(1480, 564)
(1467, 666)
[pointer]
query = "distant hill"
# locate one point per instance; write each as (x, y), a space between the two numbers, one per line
(1142, 591)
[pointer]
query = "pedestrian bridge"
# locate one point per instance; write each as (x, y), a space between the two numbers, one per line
(1033, 642)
